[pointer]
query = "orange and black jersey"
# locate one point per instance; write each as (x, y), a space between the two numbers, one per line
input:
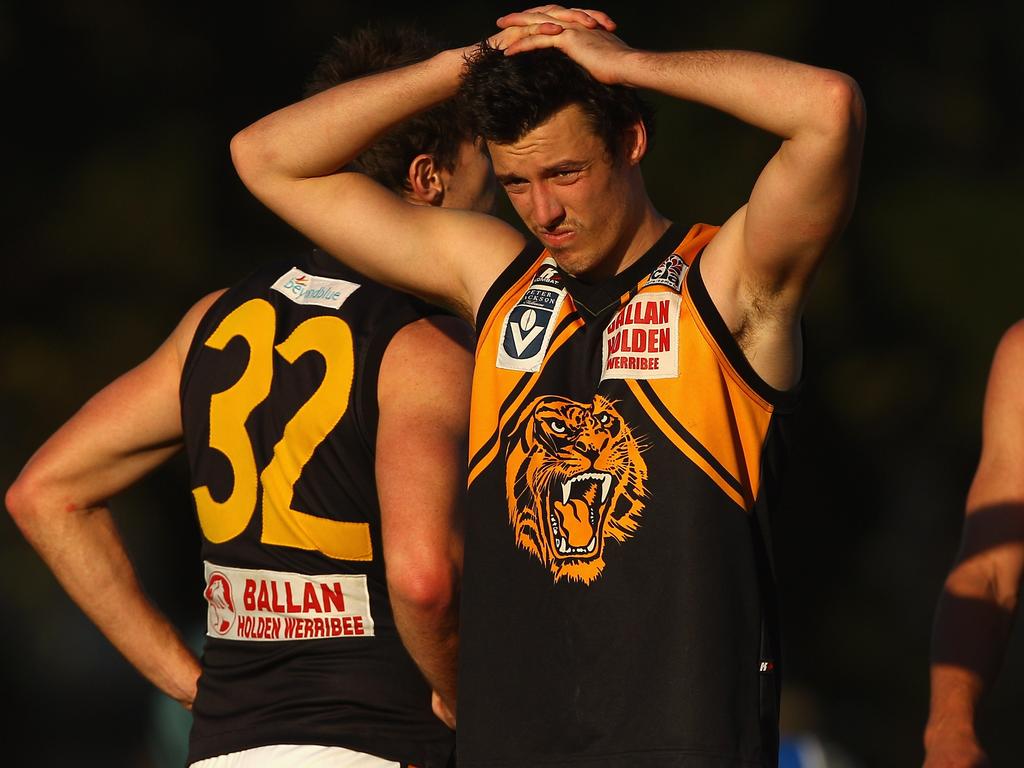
(624, 461)
(279, 407)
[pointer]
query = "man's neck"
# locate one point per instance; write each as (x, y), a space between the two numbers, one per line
(648, 231)
(633, 243)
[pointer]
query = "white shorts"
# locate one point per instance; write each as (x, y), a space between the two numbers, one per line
(296, 756)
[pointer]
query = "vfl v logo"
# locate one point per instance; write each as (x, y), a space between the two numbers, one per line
(528, 324)
(527, 328)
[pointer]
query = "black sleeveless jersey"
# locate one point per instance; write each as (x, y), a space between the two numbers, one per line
(617, 606)
(279, 405)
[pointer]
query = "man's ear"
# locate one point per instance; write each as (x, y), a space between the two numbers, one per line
(635, 142)
(425, 181)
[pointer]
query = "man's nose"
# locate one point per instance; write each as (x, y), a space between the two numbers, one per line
(547, 211)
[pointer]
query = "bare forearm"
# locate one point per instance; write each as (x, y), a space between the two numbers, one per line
(972, 627)
(321, 134)
(431, 637)
(86, 554)
(780, 96)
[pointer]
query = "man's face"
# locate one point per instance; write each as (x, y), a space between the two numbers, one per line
(568, 190)
(471, 184)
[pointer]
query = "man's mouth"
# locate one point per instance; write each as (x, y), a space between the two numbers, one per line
(557, 238)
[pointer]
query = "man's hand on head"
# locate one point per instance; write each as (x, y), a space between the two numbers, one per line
(583, 35)
(557, 14)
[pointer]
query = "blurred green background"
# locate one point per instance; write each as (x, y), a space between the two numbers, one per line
(122, 208)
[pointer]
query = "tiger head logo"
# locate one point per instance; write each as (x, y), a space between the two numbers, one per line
(574, 478)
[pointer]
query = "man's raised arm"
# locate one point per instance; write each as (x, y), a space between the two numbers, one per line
(292, 160)
(979, 599)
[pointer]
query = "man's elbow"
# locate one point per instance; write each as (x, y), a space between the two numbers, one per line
(1006, 584)
(843, 111)
(22, 499)
(990, 577)
(40, 496)
(425, 589)
(252, 157)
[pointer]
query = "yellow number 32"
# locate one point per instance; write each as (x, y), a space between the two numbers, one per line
(330, 337)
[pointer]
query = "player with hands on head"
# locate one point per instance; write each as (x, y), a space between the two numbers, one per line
(632, 382)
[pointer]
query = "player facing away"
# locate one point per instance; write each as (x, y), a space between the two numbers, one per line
(978, 602)
(631, 376)
(324, 418)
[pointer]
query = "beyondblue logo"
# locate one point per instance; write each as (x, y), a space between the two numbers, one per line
(312, 289)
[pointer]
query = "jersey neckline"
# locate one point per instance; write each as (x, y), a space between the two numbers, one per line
(594, 299)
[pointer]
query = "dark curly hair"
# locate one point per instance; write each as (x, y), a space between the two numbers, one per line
(509, 96)
(437, 132)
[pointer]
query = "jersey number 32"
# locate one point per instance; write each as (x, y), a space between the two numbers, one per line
(330, 337)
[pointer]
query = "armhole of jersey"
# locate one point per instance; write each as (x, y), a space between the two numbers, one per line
(195, 346)
(214, 314)
(508, 277)
(408, 310)
(781, 401)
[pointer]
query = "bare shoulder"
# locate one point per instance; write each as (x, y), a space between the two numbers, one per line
(480, 247)
(1001, 468)
(437, 336)
(428, 360)
(449, 256)
(1010, 351)
(488, 234)
(1006, 379)
(181, 337)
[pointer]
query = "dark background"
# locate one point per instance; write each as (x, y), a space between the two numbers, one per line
(122, 208)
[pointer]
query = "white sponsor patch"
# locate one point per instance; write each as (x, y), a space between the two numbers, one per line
(303, 288)
(246, 604)
(529, 325)
(642, 339)
(670, 272)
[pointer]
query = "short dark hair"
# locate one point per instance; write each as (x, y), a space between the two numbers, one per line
(509, 96)
(437, 132)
